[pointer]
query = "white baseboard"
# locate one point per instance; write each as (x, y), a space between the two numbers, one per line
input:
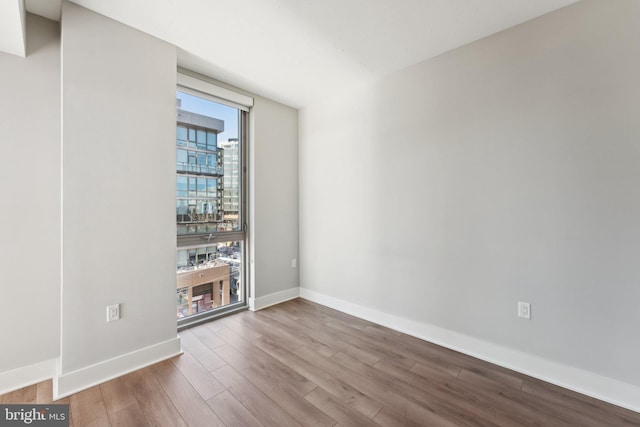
(27, 375)
(581, 381)
(81, 379)
(256, 304)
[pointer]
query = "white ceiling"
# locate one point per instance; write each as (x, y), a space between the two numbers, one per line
(295, 51)
(12, 27)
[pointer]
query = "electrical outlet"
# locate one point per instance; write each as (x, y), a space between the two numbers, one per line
(113, 312)
(294, 263)
(524, 310)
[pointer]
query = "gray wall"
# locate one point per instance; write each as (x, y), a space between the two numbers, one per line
(275, 197)
(119, 229)
(30, 213)
(504, 171)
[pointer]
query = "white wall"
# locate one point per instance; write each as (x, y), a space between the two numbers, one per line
(30, 207)
(504, 171)
(275, 202)
(118, 195)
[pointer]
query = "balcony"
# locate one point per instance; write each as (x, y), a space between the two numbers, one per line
(200, 218)
(196, 169)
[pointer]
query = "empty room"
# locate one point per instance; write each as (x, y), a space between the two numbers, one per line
(320, 213)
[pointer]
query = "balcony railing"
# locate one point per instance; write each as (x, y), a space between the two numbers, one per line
(200, 169)
(196, 218)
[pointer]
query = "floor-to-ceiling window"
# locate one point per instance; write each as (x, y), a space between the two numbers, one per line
(210, 202)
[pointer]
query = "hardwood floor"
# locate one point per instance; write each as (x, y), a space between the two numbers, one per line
(302, 364)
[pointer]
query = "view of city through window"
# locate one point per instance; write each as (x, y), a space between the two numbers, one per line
(208, 185)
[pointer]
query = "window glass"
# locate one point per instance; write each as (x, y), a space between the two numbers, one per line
(202, 161)
(182, 259)
(181, 186)
(201, 207)
(211, 164)
(192, 157)
(192, 256)
(212, 140)
(201, 137)
(181, 157)
(192, 187)
(207, 187)
(182, 211)
(201, 187)
(181, 135)
(212, 187)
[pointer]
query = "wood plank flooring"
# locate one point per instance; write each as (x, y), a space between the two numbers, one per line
(302, 364)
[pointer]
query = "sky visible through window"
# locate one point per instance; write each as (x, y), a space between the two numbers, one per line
(212, 109)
